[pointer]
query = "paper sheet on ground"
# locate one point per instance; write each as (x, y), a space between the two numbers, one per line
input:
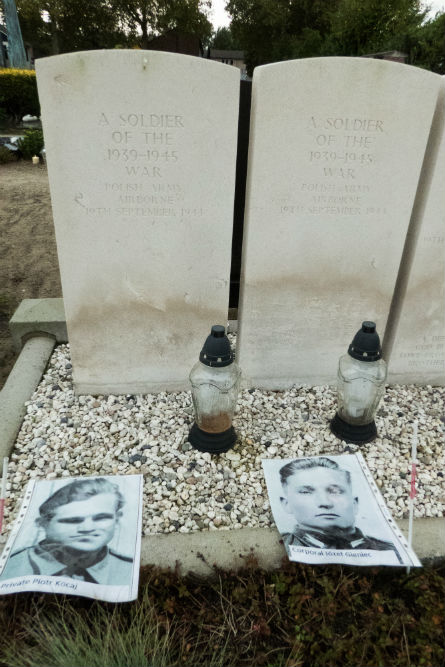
(79, 536)
(328, 509)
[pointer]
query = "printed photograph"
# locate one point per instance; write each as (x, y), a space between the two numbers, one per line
(328, 509)
(79, 535)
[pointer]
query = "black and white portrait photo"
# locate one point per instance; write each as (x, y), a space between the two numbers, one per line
(78, 535)
(329, 510)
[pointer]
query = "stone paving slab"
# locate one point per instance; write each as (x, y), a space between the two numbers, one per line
(35, 316)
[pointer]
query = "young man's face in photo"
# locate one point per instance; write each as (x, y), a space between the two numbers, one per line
(85, 525)
(320, 498)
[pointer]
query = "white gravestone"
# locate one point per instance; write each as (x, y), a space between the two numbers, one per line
(141, 150)
(418, 354)
(336, 150)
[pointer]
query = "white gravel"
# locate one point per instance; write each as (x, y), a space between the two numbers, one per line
(63, 435)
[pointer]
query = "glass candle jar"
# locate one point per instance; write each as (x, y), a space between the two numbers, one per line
(360, 386)
(215, 381)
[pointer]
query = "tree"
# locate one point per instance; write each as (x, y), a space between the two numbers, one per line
(426, 45)
(153, 17)
(60, 26)
(34, 29)
(359, 27)
(189, 16)
(88, 25)
(271, 30)
(50, 12)
(224, 39)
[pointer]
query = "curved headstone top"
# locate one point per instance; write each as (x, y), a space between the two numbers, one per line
(336, 178)
(141, 150)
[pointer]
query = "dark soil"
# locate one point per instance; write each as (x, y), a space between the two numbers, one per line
(29, 267)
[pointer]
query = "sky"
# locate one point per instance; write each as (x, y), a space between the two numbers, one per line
(220, 18)
(436, 6)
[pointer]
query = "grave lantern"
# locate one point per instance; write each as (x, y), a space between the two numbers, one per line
(215, 381)
(360, 386)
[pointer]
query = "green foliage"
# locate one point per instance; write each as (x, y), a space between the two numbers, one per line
(34, 29)
(274, 30)
(301, 616)
(426, 46)
(79, 633)
(224, 39)
(71, 25)
(31, 144)
(65, 637)
(360, 27)
(188, 16)
(18, 93)
(267, 30)
(6, 156)
(152, 17)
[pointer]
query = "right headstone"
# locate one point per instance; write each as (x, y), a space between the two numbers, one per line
(418, 353)
(336, 151)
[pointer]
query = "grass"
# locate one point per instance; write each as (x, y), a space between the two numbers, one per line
(5, 305)
(300, 616)
(65, 637)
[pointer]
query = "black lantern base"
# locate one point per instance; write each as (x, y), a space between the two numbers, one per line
(357, 434)
(214, 443)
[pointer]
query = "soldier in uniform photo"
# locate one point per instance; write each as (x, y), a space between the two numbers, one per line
(318, 494)
(79, 521)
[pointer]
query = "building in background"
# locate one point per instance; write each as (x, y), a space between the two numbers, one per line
(178, 42)
(235, 58)
(395, 56)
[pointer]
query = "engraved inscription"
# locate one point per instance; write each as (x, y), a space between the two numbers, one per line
(344, 141)
(348, 124)
(143, 143)
(436, 240)
(143, 150)
(341, 162)
(428, 354)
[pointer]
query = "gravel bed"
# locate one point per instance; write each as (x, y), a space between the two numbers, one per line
(184, 490)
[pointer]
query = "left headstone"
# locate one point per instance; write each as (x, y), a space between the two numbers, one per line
(141, 151)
